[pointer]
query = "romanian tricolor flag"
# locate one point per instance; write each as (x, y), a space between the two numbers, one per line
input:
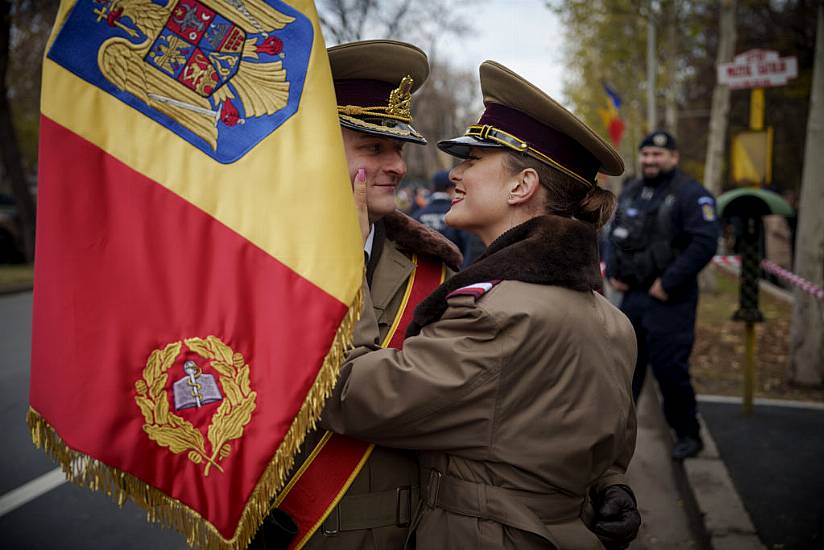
(198, 257)
(611, 115)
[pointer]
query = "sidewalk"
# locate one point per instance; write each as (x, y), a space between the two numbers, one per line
(668, 521)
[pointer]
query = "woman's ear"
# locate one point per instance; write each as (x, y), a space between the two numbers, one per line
(523, 187)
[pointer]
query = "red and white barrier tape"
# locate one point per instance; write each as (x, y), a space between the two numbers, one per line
(778, 271)
(732, 261)
(792, 278)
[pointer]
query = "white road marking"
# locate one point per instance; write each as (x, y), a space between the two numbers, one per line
(31, 490)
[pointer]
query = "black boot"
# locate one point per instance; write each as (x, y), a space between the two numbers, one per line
(687, 447)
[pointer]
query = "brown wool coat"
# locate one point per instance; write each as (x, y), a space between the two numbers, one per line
(387, 469)
(518, 402)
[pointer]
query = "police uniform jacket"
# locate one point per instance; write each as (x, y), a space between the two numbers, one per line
(376, 510)
(518, 399)
(690, 230)
(433, 215)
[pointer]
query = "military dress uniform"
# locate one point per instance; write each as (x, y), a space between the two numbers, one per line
(514, 382)
(664, 228)
(377, 508)
(373, 82)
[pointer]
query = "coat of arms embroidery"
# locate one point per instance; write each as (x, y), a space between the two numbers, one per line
(222, 74)
(231, 414)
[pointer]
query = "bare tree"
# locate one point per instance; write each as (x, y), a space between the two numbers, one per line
(720, 102)
(806, 335)
(9, 149)
(417, 21)
(444, 107)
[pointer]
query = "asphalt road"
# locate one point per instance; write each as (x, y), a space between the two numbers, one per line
(66, 517)
(776, 460)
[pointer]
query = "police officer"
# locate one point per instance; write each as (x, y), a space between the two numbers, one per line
(665, 231)
(433, 213)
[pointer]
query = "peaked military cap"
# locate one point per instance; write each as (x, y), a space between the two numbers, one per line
(374, 81)
(520, 117)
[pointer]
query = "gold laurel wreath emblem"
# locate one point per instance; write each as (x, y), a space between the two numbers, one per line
(179, 435)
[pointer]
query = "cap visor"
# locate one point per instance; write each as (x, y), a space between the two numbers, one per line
(460, 146)
(393, 129)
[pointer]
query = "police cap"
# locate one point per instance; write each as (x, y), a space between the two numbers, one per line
(659, 138)
(441, 181)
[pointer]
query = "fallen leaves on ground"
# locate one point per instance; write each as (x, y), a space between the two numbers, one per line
(717, 362)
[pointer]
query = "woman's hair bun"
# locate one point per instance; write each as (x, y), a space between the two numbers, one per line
(596, 207)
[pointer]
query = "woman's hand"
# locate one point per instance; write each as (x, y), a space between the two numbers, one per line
(359, 191)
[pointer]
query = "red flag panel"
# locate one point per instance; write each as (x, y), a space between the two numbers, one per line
(99, 315)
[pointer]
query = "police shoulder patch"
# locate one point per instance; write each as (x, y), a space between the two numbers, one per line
(476, 290)
(708, 212)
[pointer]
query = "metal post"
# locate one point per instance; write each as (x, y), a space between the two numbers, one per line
(757, 109)
(651, 69)
(757, 124)
(748, 311)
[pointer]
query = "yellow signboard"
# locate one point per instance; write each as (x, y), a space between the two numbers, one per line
(751, 163)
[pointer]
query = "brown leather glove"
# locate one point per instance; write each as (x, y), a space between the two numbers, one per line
(616, 520)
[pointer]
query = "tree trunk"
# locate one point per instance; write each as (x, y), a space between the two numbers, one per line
(806, 332)
(9, 149)
(716, 141)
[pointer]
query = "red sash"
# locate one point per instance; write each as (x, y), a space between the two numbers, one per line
(325, 476)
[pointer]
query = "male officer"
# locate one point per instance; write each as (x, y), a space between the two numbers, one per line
(373, 83)
(665, 231)
(406, 260)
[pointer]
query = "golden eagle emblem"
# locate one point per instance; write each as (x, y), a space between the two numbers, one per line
(202, 63)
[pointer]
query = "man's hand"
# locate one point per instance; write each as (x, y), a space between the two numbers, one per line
(359, 190)
(657, 291)
(616, 520)
(618, 285)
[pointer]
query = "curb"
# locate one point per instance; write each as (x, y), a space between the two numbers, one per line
(16, 289)
(726, 521)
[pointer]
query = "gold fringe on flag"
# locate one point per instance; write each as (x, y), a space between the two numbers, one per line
(88, 472)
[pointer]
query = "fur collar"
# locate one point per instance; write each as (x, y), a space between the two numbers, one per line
(546, 250)
(417, 238)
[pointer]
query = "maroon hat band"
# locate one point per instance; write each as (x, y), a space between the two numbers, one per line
(363, 93)
(546, 140)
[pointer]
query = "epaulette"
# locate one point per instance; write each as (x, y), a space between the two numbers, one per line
(475, 290)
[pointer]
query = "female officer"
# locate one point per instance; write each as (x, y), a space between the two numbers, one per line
(514, 380)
